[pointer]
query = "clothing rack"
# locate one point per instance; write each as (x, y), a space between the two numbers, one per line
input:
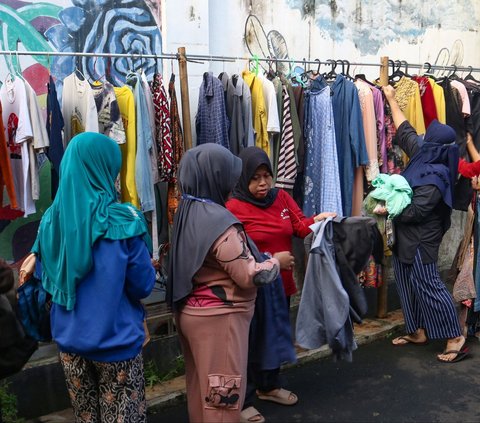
(183, 58)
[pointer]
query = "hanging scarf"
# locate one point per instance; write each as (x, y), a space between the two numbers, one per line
(252, 159)
(436, 161)
(206, 176)
(84, 211)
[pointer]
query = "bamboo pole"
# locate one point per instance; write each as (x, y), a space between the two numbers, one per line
(382, 303)
(187, 125)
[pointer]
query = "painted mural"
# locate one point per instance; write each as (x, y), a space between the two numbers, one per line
(371, 24)
(100, 26)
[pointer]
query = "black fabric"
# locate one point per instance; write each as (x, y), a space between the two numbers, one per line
(207, 172)
(252, 158)
(355, 238)
(6, 277)
(422, 224)
(15, 348)
(455, 119)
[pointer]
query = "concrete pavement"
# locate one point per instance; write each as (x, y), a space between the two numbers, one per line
(173, 392)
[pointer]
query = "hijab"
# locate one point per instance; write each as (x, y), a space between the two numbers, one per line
(252, 159)
(206, 176)
(85, 210)
(436, 161)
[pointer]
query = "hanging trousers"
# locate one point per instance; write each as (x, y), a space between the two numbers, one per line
(425, 300)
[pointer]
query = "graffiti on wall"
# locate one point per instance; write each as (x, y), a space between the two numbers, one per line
(90, 26)
(371, 24)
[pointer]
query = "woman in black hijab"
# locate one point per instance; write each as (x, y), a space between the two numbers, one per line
(212, 284)
(427, 305)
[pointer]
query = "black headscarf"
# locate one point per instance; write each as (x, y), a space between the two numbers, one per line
(206, 175)
(252, 158)
(436, 162)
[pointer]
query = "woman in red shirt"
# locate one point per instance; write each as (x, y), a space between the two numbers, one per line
(270, 217)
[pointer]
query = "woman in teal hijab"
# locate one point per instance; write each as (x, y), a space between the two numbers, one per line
(96, 265)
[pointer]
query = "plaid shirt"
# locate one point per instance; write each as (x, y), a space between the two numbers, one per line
(211, 121)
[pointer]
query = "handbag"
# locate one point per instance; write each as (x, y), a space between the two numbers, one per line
(34, 303)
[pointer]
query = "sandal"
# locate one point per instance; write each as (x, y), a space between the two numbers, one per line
(251, 415)
(281, 396)
(407, 340)
(460, 355)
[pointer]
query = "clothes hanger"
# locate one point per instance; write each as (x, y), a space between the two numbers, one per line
(405, 72)
(397, 73)
(453, 75)
(347, 73)
(330, 76)
(469, 76)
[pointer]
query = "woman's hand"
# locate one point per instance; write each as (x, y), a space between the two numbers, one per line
(476, 183)
(389, 92)
(323, 216)
(286, 259)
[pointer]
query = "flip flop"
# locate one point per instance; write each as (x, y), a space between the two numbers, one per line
(461, 354)
(408, 342)
(247, 415)
(282, 396)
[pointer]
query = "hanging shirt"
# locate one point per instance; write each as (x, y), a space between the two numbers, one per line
(178, 149)
(78, 108)
(349, 135)
(6, 177)
(322, 190)
(151, 114)
(39, 141)
(439, 98)
(163, 138)
(367, 107)
(143, 171)
(18, 133)
(126, 104)
(110, 121)
(211, 121)
(54, 128)
(464, 95)
(259, 111)
(238, 102)
(407, 94)
(428, 101)
(380, 119)
(269, 95)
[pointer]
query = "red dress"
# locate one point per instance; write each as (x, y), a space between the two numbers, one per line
(272, 228)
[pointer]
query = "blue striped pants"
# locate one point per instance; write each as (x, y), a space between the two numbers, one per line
(426, 302)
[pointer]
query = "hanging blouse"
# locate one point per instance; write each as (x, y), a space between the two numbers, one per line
(54, 130)
(407, 94)
(439, 98)
(6, 177)
(259, 110)
(428, 101)
(163, 138)
(322, 191)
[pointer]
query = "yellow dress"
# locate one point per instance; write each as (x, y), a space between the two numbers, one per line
(259, 110)
(126, 103)
(439, 97)
(407, 94)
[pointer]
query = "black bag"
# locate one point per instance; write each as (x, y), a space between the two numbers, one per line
(15, 348)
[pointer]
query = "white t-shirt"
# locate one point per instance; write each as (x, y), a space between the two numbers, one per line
(40, 138)
(273, 121)
(18, 133)
(78, 108)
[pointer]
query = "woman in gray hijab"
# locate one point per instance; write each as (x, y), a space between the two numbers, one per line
(212, 283)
